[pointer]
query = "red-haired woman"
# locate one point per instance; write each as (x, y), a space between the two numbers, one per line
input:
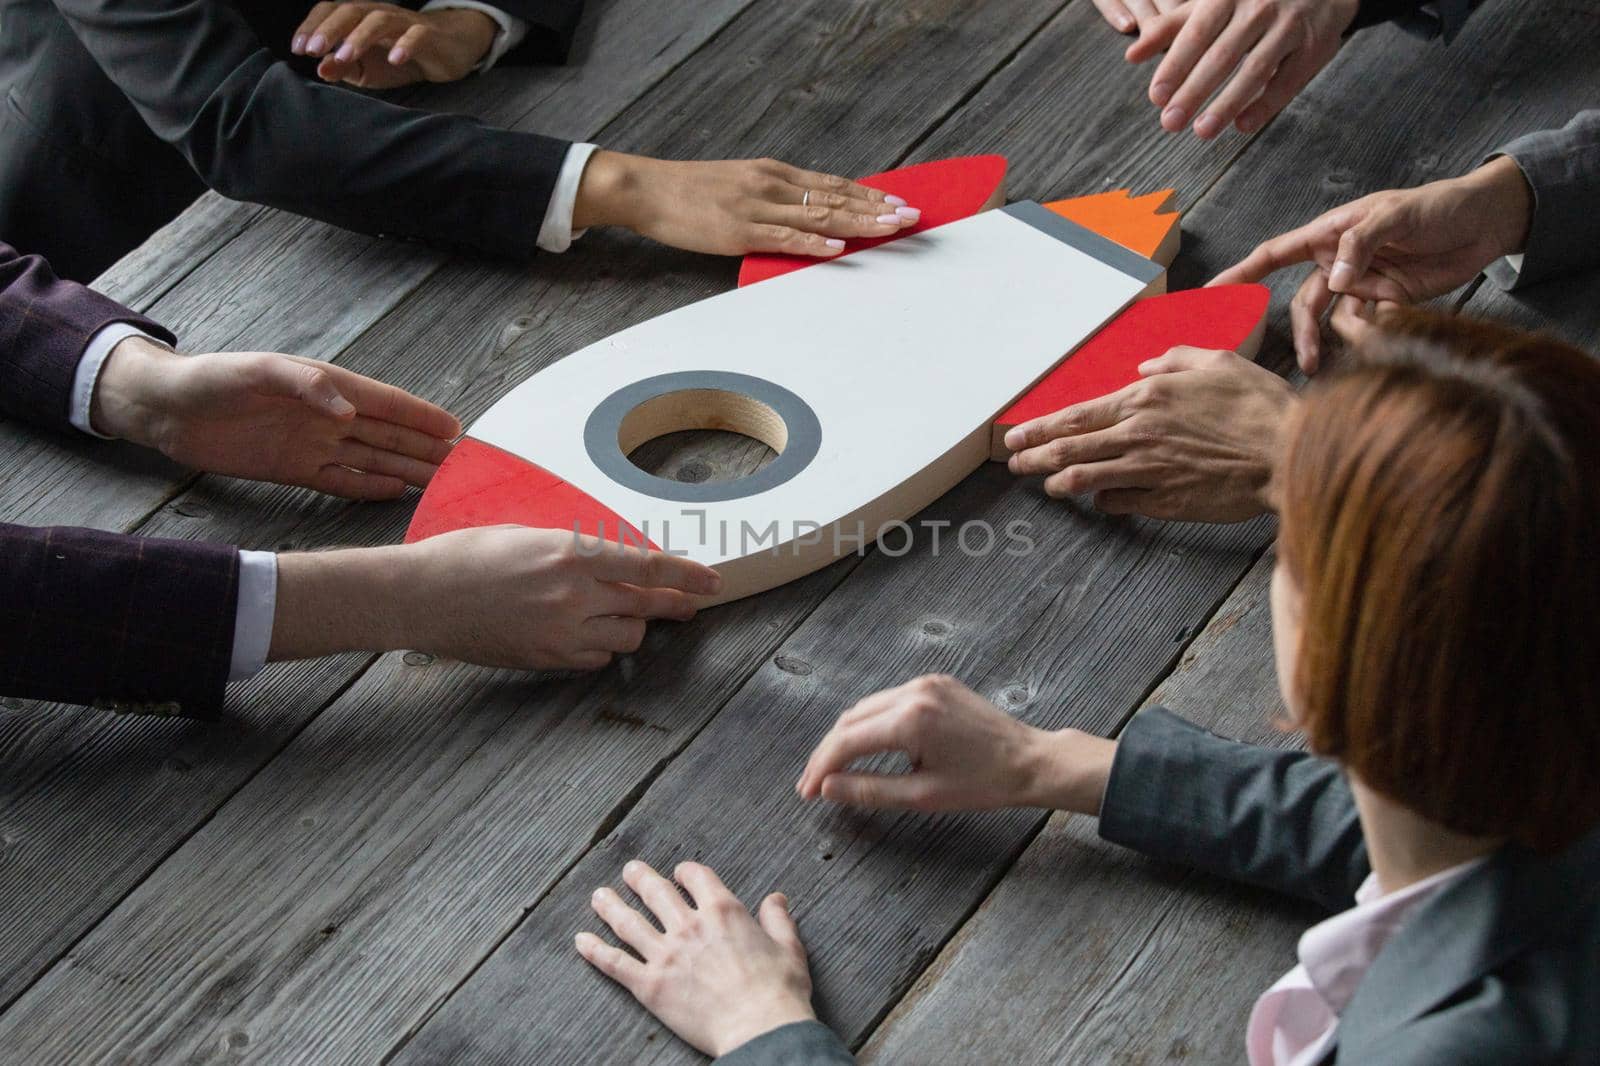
(1433, 606)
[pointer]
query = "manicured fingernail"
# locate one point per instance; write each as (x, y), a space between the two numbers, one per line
(317, 45)
(397, 56)
(1174, 118)
(346, 52)
(298, 47)
(632, 866)
(598, 895)
(835, 242)
(341, 406)
(1340, 277)
(1160, 93)
(1208, 126)
(894, 201)
(889, 219)
(911, 213)
(1125, 23)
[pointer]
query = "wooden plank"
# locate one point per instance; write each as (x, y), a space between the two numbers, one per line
(475, 330)
(735, 812)
(1117, 945)
(227, 275)
(1567, 307)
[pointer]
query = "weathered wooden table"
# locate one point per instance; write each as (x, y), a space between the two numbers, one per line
(375, 859)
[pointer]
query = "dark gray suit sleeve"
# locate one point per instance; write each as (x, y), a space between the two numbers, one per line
(255, 130)
(1563, 170)
(1281, 819)
(799, 1044)
(1421, 18)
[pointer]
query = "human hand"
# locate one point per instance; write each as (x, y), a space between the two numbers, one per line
(966, 754)
(712, 974)
(271, 417)
(1131, 16)
(1194, 440)
(734, 207)
(511, 596)
(1398, 246)
(383, 46)
(1269, 48)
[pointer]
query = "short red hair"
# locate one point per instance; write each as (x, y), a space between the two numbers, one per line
(1441, 500)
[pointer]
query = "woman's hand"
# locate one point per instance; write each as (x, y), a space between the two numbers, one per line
(711, 973)
(1269, 48)
(1195, 441)
(271, 417)
(1399, 246)
(734, 207)
(966, 754)
(383, 46)
(510, 596)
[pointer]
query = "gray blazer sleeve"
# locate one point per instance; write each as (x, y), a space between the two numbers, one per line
(253, 129)
(799, 1044)
(1281, 819)
(1563, 169)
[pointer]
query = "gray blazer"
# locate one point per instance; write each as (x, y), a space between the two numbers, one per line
(1563, 168)
(1503, 966)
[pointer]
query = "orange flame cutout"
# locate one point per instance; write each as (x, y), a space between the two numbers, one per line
(1145, 224)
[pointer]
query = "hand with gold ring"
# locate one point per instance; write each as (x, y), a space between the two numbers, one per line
(735, 207)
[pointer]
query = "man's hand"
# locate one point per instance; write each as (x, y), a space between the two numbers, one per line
(1399, 246)
(1270, 49)
(1195, 440)
(529, 599)
(383, 46)
(965, 753)
(271, 417)
(713, 974)
(734, 207)
(1135, 16)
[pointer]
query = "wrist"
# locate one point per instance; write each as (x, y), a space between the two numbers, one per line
(612, 191)
(129, 400)
(1269, 490)
(1067, 770)
(353, 599)
(744, 1026)
(1502, 203)
(475, 30)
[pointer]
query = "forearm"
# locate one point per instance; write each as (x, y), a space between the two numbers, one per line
(352, 599)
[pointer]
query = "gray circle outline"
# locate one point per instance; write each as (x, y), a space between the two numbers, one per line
(601, 431)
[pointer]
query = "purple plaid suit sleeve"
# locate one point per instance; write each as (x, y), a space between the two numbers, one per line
(45, 323)
(137, 625)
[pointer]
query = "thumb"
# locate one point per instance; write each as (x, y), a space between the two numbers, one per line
(312, 385)
(775, 919)
(1357, 246)
(1183, 357)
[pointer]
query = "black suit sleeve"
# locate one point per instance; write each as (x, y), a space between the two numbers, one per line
(1281, 819)
(45, 324)
(255, 130)
(551, 26)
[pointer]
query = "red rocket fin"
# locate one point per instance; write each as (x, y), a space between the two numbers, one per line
(481, 485)
(1145, 224)
(945, 189)
(1228, 316)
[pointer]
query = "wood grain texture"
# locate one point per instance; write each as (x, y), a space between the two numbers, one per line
(227, 275)
(472, 332)
(1087, 952)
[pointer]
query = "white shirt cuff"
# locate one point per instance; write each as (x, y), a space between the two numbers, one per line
(253, 617)
(555, 233)
(87, 376)
(511, 33)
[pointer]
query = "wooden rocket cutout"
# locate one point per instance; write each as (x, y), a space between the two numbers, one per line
(970, 312)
